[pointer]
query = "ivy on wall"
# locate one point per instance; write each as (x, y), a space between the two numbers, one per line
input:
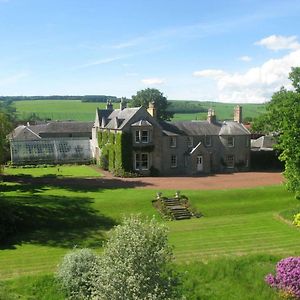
(116, 151)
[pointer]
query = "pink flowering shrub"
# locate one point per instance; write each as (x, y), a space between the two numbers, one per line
(287, 278)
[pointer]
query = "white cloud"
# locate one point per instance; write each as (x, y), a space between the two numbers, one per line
(211, 73)
(279, 42)
(100, 62)
(245, 58)
(153, 81)
(257, 84)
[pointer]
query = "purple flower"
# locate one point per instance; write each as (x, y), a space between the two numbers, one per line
(287, 277)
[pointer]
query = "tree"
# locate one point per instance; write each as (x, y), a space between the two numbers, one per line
(144, 97)
(5, 127)
(136, 264)
(283, 118)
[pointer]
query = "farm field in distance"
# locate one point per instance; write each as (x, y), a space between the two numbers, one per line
(242, 233)
(85, 111)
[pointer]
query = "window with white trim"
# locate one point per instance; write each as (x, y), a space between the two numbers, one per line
(173, 141)
(190, 141)
(173, 161)
(142, 161)
(142, 136)
(230, 141)
(230, 161)
(207, 140)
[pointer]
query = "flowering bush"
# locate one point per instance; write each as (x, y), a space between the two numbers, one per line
(287, 278)
(297, 220)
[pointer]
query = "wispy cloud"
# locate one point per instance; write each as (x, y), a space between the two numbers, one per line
(100, 62)
(279, 42)
(153, 81)
(245, 58)
(211, 73)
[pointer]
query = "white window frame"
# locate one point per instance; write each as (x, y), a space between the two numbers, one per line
(147, 137)
(229, 144)
(208, 140)
(173, 161)
(173, 142)
(138, 161)
(139, 136)
(231, 161)
(190, 141)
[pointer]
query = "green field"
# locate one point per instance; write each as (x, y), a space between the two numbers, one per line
(242, 233)
(85, 111)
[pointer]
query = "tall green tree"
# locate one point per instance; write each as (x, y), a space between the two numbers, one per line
(5, 127)
(144, 97)
(283, 118)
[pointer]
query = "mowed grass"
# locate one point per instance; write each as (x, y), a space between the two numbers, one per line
(63, 171)
(235, 222)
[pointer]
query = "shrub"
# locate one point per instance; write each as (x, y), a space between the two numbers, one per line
(287, 278)
(75, 273)
(135, 264)
(297, 220)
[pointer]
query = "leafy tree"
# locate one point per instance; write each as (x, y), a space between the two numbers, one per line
(5, 127)
(136, 264)
(283, 118)
(144, 97)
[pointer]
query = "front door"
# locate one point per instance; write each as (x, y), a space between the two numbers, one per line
(199, 163)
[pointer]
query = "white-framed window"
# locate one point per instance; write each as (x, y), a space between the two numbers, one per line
(142, 161)
(190, 141)
(173, 161)
(230, 141)
(230, 161)
(142, 136)
(145, 136)
(173, 141)
(207, 140)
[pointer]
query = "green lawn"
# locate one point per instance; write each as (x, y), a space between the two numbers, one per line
(64, 171)
(241, 230)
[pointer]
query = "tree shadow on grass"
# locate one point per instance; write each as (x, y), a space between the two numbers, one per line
(53, 221)
(32, 184)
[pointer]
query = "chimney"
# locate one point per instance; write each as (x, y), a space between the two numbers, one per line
(109, 105)
(123, 103)
(237, 114)
(211, 117)
(151, 109)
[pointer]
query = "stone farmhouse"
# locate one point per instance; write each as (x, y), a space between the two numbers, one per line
(133, 139)
(51, 143)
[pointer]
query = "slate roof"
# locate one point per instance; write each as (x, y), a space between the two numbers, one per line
(194, 128)
(34, 132)
(116, 119)
(264, 142)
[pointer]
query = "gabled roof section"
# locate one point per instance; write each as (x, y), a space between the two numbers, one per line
(24, 133)
(117, 118)
(233, 128)
(142, 123)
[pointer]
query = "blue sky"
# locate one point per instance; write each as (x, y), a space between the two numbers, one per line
(230, 51)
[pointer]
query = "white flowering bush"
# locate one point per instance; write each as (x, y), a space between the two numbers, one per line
(136, 264)
(75, 273)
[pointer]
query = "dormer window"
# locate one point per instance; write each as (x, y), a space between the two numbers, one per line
(190, 141)
(207, 140)
(173, 141)
(230, 141)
